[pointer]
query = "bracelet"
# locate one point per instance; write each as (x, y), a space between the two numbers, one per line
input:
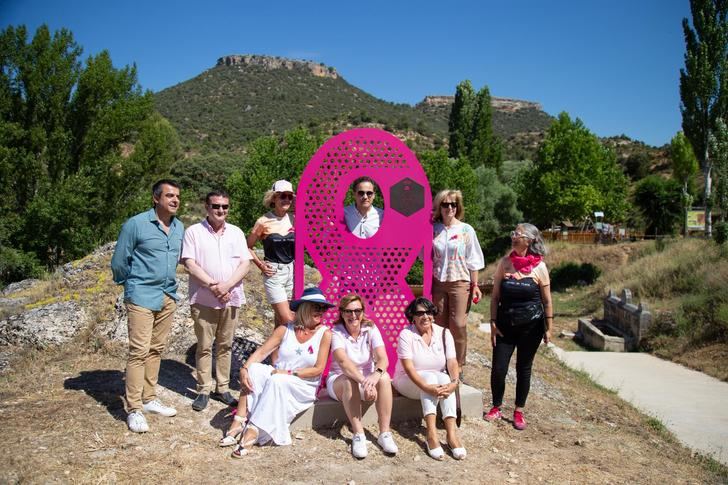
(473, 284)
(289, 372)
(551, 317)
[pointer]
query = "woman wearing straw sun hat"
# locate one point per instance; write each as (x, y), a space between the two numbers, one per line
(271, 396)
(275, 229)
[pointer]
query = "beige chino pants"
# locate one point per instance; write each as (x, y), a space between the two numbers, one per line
(451, 300)
(218, 325)
(148, 333)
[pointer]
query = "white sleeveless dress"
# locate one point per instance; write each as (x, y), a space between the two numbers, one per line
(276, 399)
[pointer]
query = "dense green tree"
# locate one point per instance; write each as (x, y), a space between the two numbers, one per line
(80, 145)
(684, 167)
(704, 82)
(484, 149)
(460, 123)
(637, 165)
(719, 153)
(573, 176)
(269, 159)
(659, 201)
(490, 205)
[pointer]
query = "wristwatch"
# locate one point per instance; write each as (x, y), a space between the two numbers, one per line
(378, 369)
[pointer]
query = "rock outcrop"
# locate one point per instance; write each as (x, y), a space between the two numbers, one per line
(268, 62)
(501, 104)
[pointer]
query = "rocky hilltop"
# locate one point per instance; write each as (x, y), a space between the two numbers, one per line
(509, 105)
(270, 63)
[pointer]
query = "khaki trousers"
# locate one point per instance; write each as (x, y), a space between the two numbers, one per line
(451, 300)
(148, 333)
(213, 324)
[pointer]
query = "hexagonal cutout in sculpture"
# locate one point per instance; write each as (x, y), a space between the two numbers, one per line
(407, 197)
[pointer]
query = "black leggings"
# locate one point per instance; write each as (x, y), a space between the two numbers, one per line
(527, 340)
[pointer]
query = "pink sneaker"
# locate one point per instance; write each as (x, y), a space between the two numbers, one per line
(519, 422)
(493, 414)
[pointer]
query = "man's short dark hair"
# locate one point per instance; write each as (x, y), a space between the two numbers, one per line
(157, 188)
(216, 193)
(362, 180)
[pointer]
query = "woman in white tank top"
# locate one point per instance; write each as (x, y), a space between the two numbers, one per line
(270, 396)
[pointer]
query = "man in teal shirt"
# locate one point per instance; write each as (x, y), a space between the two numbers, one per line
(145, 262)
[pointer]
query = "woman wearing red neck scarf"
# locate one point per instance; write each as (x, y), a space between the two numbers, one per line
(521, 315)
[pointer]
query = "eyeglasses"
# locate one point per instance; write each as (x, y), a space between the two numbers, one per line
(220, 206)
(355, 311)
(320, 308)
(420, 313)
(285, 196)
(452, 205)
(366, 194)
(515, 234)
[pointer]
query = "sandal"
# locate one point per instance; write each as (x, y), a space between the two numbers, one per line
(230, 439)
(244, 446)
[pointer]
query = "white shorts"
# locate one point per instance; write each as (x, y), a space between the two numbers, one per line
(279, 287)
(330, 387)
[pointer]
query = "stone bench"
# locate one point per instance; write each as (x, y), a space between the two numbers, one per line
(327, 413)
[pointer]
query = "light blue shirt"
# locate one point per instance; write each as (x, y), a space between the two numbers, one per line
(145, 260)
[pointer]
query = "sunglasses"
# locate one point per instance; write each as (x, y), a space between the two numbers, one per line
(220, 206)
(285, 196)
(515, 234)
(367, 194)
(421, 313)
(451, 205)
(355, 311)
(320, 308)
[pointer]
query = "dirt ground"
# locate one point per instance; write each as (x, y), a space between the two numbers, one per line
(63, 421)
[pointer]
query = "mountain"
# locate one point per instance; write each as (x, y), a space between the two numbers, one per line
(246, 96)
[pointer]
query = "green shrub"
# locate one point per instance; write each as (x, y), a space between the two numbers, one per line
(17, 265)
(572, 274)
(720, 232)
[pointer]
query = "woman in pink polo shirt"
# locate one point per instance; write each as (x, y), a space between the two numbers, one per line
(359, 373)
(425, 351)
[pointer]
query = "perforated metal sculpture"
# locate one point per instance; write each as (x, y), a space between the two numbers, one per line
(375, 268)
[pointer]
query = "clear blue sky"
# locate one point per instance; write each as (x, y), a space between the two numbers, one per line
(613, 64)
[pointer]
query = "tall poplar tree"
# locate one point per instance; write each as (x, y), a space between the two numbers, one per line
(684, 166)
(460, 123)
(704, 82)
(484, 148)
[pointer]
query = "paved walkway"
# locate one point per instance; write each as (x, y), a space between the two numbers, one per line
(690, 404)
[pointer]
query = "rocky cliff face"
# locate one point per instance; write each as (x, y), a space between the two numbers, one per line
(270, 63)
(502, 104)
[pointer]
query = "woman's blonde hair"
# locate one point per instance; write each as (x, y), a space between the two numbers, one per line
(345, 301)
(441, 195)
(304, 313)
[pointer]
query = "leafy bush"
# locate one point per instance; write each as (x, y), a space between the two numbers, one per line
(572, 274)
(17, 265)
(720, 232)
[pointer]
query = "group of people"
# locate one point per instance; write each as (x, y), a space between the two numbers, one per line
(431, 351)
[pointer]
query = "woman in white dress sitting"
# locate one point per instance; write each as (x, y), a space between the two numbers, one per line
(359, 373)
(270, 396)
(425, 351)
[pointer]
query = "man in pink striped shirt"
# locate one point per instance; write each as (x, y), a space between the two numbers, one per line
(217, 258)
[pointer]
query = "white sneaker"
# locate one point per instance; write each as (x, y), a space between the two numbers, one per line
(157, 407)
(137, 422)
(359, 446)
(386, 441)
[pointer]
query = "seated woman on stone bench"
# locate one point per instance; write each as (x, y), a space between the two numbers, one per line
(271, 397)
(425, 350)
(359, 373)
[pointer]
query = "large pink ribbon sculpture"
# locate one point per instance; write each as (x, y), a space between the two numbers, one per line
(375, 268)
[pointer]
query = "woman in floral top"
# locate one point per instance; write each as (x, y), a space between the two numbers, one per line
(457, 258)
